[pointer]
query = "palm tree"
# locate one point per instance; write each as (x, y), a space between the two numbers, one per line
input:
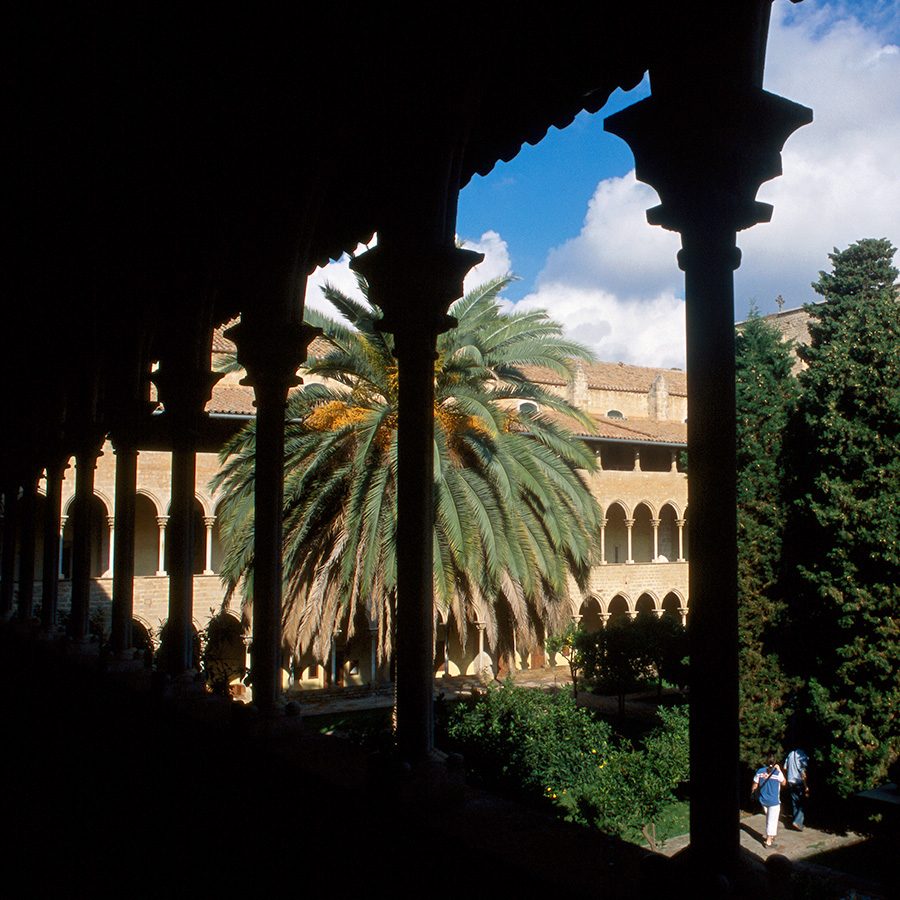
(514, 518)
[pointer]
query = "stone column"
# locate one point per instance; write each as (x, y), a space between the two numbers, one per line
(604, 618)
(673, 466)
(62, 534)
(123, 554)
(629, 524)
(414, 280)
(680, 524)
(603, 542)
(8, 570)
(162, 522)
(27, 514)
(373, 649)
(209, 522)
(111, 554)
(706, 140)
(637, 460)
(655, 525)
(270, 351)
(479, 666)
(185, 385)
(85, 466)
(52, 561)
(179, 625)
(632, 614)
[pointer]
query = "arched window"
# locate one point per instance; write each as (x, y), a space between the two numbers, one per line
(528, 407)
(614, 414)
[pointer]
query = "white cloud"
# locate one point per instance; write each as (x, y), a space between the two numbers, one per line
(337, 273)
(616, 285)
(496, 259)
(646, 331)
(841, 177)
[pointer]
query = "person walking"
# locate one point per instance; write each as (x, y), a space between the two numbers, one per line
(767, 784)
(795, 765)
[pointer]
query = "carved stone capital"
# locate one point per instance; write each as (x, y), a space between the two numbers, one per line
(706, 155)
(271, 354)
(415, 285)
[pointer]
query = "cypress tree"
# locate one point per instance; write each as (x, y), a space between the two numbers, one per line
(843, 545)
(766, 393)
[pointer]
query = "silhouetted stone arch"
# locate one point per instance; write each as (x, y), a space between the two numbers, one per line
(146, 535)
(591, 615)
(672, 604)
(646, 603)
(642, 534)
(616, 533)
(99, 538)
(618, 608)
(668, 533)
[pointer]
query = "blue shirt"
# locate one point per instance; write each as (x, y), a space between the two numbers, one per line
(795, 765)
(769, 785)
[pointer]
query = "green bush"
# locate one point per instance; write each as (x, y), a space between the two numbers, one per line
(529, 741)
(543, 745)
(636, 785)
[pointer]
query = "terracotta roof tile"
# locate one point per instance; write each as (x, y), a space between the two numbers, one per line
(631, 429)
(232, 399)
(616, 376)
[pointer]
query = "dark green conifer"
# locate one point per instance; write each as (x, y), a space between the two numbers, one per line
(843, 544)
(766, 393)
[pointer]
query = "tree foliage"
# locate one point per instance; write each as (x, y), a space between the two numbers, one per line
(543, 745)
(844, 549)
(514, 517)
(766, 394)
(624, 655)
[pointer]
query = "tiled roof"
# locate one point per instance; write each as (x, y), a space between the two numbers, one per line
(632, 429)
(616, 376)
(221, 344)
(232, 399)
(665, 431)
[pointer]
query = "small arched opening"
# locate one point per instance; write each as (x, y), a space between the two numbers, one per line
(616, 534)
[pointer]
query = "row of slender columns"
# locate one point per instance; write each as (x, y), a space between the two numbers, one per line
(629, 524)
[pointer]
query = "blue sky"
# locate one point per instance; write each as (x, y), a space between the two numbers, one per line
(568, 217)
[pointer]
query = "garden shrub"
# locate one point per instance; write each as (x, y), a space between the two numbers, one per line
(529, 741)
(542, 745)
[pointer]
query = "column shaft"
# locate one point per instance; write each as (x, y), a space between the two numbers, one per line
(8, 570)
(79, 622)
(179, 627)
(27, 512)
(629, 524)
(52, 546)
(709, 261)
(209, 522)
(415, 528)
(162, 522)
(123, 558)
(267, 568)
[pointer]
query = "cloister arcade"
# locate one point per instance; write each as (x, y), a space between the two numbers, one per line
(175, 174)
